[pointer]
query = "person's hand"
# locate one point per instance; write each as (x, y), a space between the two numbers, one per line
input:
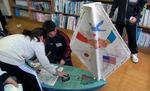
(11, 81)
(62, 62)
(132, 20)
(37, 67)
(61, 74)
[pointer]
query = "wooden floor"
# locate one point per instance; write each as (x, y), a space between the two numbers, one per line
(129, 77)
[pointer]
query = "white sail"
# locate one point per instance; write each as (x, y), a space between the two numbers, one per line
(97, 43)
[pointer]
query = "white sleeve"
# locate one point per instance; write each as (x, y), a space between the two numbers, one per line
(39, 49)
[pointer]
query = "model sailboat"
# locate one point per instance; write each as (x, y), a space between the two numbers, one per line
(98, 45)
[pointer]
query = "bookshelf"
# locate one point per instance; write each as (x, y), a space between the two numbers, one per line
(104, 1)
(65, 13)
(37, 10)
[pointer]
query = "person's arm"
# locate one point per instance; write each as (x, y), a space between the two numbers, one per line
(39, 50)
(66, 43)
(47, 47)
(113, 8)
(139, 7)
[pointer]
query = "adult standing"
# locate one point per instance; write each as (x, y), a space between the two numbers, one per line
(128, 16)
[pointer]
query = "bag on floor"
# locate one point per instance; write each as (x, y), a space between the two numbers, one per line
(145, 19)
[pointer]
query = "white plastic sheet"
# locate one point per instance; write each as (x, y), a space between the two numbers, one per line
(97, 43)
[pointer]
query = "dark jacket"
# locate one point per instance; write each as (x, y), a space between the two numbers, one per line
(126, 9)
(58, 46)
(3, 76)
(2, 19)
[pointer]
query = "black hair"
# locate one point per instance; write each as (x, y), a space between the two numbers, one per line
(35, 33)
(49, 26)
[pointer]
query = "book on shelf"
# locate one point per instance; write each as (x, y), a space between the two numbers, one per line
(69, 6)
(19, 12)
(41, 17)
(64, 21)
(24, 13)
(40, 6)
(21, 3)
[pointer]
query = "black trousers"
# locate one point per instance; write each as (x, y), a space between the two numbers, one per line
(131, 32)
(28, 80)
(1, 87)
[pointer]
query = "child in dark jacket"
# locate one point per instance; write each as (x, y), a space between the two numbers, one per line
(57, 44)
